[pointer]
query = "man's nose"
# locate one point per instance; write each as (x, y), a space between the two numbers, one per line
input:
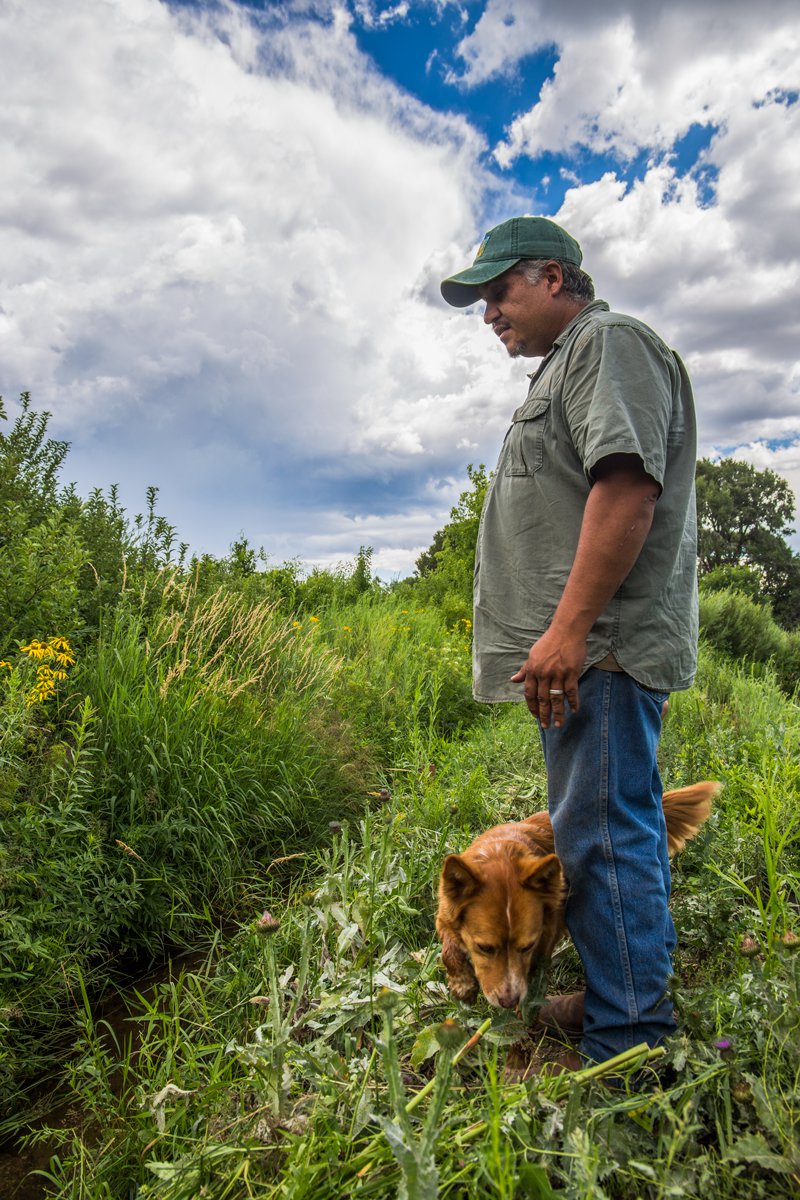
(490, 313)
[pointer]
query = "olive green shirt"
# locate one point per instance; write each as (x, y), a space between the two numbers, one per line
(608, 386)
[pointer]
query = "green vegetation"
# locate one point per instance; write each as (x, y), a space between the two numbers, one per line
(445, 570)
(743, 519)
(268, 768)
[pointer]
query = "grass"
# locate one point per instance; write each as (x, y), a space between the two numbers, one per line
(289, 1063)
(201, 742)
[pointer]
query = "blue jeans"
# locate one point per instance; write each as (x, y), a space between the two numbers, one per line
(604, 797)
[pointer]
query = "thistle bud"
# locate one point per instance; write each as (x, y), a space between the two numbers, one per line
(267, 924)
(790, 941)
(334, 827)
(449, 1035)
(748, 947)
(386, 999)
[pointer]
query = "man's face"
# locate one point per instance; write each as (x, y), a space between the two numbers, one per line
(522, 314)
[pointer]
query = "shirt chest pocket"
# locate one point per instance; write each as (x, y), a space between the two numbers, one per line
(525, 439)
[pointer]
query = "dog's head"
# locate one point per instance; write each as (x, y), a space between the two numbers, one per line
(506, 912)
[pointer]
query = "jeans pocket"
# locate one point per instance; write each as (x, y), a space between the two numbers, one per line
(656, 694)
(525, 450)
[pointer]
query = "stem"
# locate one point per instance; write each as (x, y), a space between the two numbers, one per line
(626, 1059)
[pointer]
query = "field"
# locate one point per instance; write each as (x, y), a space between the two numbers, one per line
(274, 790)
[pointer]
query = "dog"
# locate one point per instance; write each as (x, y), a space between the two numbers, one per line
(501, 902)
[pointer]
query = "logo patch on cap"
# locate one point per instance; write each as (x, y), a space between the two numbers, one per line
(482, 246)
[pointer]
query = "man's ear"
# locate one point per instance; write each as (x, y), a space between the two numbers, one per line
(554, 276)
(543, 875)
(458, 881)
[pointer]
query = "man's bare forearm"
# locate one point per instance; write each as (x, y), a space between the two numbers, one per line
(616, 521)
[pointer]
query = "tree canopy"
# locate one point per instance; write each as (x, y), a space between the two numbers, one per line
(744, 516)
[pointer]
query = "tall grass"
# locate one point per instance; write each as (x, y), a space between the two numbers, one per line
(205, 741)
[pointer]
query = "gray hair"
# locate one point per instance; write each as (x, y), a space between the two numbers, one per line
(578, 285)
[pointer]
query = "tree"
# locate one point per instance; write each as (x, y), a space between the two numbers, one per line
(744, 517)
(41, 552)
(445, 570)
(63, 559)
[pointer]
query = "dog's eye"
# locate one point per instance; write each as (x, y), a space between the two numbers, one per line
(487, 950)
(526, 949)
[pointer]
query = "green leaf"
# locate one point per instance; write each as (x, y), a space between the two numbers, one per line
(169, 1171)
(534, 1183)
(753, 1148)
(425, 1045)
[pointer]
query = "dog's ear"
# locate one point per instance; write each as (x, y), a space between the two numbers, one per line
(543, 875)
(458, 881)
(461, 978)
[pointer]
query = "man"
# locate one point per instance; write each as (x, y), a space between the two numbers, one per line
(585, 603)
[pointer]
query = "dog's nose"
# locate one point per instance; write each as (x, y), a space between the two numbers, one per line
(507, 999)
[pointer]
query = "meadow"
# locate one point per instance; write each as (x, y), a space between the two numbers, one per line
(235, 762)
(226, 793)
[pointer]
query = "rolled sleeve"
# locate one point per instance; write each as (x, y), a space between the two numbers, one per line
(620, 399)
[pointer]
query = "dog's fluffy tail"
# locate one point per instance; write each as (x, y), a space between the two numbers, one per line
(685, 810)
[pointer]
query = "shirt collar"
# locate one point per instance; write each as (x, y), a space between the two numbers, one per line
(578, 320)
(574, 325)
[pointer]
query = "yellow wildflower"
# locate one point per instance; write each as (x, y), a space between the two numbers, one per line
(36, 649)
(42, 690)
(55, 650)
(313, 618)
(3, 663)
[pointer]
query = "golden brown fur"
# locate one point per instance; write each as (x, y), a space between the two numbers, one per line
(501, 902)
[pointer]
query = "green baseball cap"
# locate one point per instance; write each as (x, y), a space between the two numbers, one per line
(503, 247)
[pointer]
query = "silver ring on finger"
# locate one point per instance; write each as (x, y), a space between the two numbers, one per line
(556, 692)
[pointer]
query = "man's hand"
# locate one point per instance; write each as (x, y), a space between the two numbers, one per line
(550, 674)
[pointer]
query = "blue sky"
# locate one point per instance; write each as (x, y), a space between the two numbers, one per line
(420, 54)
(225, 226)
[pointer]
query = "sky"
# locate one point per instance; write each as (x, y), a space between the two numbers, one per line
(225, 224)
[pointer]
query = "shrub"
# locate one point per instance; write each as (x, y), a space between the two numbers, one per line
(738, 626)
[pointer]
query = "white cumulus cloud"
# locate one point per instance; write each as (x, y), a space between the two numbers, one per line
(222, 232)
